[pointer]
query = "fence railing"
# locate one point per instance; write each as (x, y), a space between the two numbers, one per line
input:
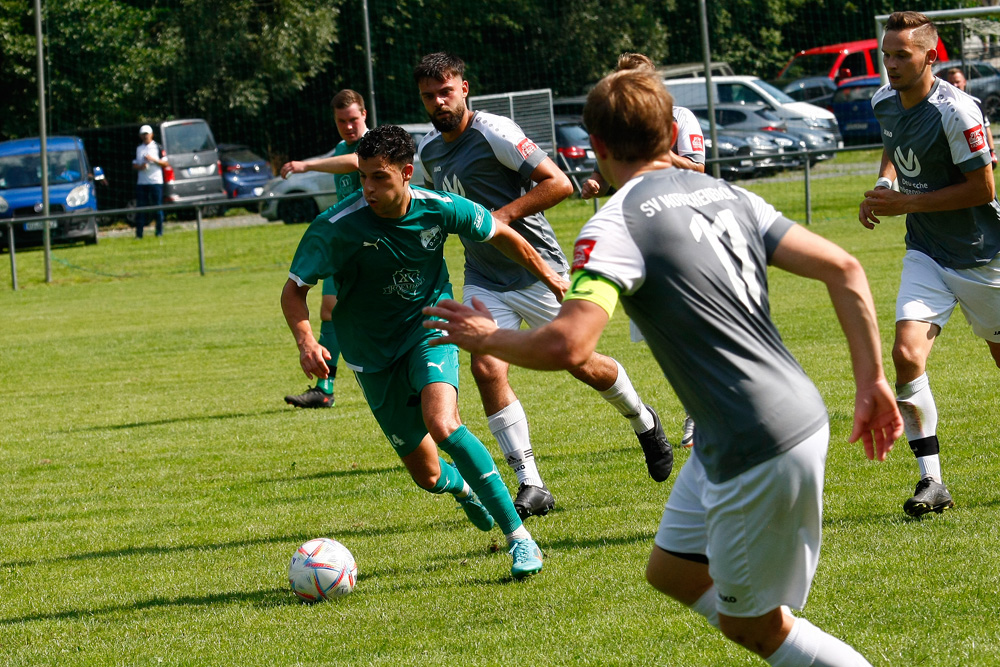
(199, 207)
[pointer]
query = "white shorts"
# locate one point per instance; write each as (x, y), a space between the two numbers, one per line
(535, 304)
(760, 531)
(929, 292)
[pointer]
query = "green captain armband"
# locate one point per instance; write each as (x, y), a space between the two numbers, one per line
(597, 289)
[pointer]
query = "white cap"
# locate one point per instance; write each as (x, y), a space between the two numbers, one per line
(145, 129)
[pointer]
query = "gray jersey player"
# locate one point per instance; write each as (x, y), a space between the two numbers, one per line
(488, 159)
(935, 147)
(686, 255)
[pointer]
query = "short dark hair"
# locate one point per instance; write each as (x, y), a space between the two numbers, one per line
(924, 30)
(346, 98)
(391, 143)
(439, 66)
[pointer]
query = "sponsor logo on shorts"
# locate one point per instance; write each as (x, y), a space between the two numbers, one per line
(581, 253)
(729, 599)
(439, 366)
(887, 133)
(697, 142)
(526, 147)
(976, 138)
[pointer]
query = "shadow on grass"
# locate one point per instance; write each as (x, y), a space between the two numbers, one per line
(333, 474)
(274, 597)
(293, 540)
(177, 420)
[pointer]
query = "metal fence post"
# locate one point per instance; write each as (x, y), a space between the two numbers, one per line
(13, 256)
(808, 179)
(201, 242)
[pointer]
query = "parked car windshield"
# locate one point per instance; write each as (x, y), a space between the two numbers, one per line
(782, 97)
(25, 171)
(816, 64)
(572, 134)
(854, 93)
(187, 138)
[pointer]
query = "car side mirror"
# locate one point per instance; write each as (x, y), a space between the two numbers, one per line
(98, 174)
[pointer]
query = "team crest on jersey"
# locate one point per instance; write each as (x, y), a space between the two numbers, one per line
(581, 252)
(976, 138)
(431, 238)
(406, 283)
(697, 142)
(526, 147)
(908, 164)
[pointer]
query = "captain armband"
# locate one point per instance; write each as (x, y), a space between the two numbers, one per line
(597, 289)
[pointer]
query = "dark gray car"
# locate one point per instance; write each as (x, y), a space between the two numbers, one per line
(194, 162)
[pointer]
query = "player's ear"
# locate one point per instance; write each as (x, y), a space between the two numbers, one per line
(407, 172)
(599, 146)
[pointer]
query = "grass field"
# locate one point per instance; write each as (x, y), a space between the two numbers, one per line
(155, 484)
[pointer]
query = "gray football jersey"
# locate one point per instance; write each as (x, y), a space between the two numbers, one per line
(932, 145)
(689, 254)
(491, 164)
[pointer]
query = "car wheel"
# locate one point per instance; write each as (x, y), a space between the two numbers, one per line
(295, 211)
(991, 106)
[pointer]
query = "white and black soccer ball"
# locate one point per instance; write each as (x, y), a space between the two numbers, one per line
(321, 569)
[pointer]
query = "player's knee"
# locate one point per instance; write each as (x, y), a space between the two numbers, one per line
(488, 370)
(426, 480)
(906, 358)
(441, 427)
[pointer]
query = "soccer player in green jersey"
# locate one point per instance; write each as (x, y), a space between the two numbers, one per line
(349, 111)
(383, 245)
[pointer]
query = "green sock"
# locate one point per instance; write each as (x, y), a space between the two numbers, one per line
(328, 339)
(450, 480)
(476, 466)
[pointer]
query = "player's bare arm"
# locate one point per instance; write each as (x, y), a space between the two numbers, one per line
(594, 186)
(312, 356)
(566, 342)
(514, 246)
(337, 164)
(977, 189)
(877, 422)
(551, 187)
(685, 163)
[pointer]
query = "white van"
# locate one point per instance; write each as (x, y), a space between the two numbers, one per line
(750, 90)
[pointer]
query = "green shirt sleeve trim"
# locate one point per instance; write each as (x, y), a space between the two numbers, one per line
(597, 289)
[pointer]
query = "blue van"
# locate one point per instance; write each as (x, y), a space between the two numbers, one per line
(71, 188)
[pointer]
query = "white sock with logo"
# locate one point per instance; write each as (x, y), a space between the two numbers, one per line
(807, 645)
(510, 427)
(625, 399)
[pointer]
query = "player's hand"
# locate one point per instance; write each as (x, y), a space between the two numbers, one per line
(463, 326)
(877, 422)
(589, 189)
(559, 287)
(881, 202)
(313, 358)
(293, 167)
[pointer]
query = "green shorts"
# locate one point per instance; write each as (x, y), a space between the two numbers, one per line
(329, 287)
(393, 394)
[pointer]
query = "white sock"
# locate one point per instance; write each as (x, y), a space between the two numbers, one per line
(705, 605)
(520, 533)
(510, 427)
(807, 645)
(919, 411)
(625, 399)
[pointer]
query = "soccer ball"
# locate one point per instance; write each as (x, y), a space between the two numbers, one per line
(322, 568)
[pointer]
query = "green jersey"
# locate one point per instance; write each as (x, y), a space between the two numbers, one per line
(347, 183)
(388, 269)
